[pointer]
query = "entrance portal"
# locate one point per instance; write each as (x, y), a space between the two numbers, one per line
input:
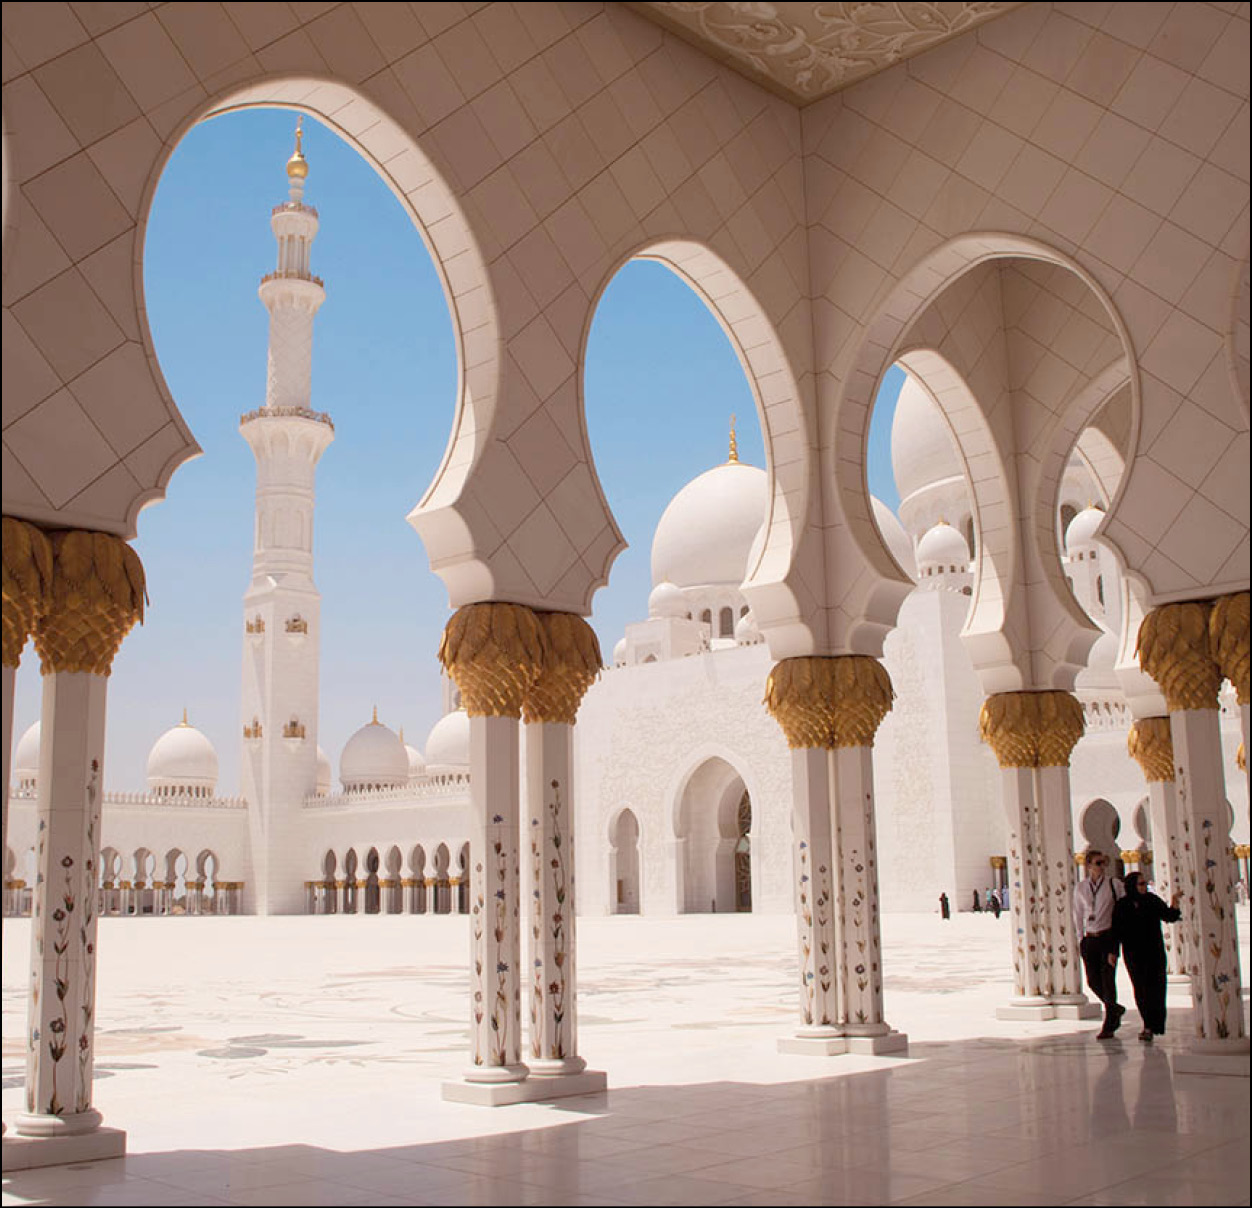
(713, 826)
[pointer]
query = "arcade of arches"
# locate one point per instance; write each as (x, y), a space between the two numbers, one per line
(1043, 219)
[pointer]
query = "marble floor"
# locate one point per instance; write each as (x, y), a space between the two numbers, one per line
(299, 1061)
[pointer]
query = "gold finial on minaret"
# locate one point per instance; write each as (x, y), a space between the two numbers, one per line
(734, 442)
(374, 720)
(297, 165)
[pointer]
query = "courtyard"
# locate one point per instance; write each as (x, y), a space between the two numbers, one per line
(300, 1060)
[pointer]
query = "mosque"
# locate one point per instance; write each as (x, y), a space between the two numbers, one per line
(1039, 212)
(682, 779)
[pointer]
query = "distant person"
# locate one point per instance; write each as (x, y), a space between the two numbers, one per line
(1137, 920)
(1094, 899)
(993, 900)
(977, 903)
(945, 907)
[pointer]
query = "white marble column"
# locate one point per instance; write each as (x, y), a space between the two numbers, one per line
(1187, 648)
(1150, 745)
(858, 930)
(1032, 971)
(495, 921)
(1058, 883)
(1216, 986)
(821, 1029)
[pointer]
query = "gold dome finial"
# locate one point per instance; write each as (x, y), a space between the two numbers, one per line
(297, 165)
(734, 442)
(401, 733)
(184, 722)
(374, 719)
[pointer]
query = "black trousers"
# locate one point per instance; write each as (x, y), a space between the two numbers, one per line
(1101, 976)
(1147, 975)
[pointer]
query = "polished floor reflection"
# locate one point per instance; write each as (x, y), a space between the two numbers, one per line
(298, 1061)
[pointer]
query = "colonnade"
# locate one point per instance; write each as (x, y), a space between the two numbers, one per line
(396, 895)
(77, 594)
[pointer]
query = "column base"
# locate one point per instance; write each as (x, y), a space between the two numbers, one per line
(1078, 1010)
(496, 1075)
(545, 1067)
(1178, 979)
(532, 1090)
(1026, 1010)
(32, 1153)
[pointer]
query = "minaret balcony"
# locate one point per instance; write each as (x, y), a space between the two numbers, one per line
(293, 290)
(317, 417)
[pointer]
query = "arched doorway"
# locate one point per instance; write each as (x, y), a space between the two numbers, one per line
(712, 827)
(624, 863)
(373, 893)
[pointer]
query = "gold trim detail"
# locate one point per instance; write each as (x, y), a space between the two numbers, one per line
(27, 578)
(1031, 729)
(98, 594)
(494, 652)
(1228, 640)
(1241, 758)
(1151, 745)
(830, 702)
(1173, 648)
(571, 665)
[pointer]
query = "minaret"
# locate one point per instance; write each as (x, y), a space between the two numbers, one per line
(282, 606)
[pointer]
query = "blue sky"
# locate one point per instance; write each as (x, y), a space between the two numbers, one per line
(384, 368)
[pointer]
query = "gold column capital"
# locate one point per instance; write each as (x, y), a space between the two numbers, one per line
(1174, 649)
(570, 666)
(98, 594)
(495, 652)
(1031, 729)
(1228, 640)
(829, 701)
(1151, 744)
(27, 583)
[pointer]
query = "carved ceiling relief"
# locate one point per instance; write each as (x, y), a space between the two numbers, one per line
(807, 51)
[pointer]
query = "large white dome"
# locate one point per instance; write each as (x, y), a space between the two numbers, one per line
(374, 757)
(705, 534)
(183, 762)
(448, 745)
(922, 449)
(896, 538)
(26, 757)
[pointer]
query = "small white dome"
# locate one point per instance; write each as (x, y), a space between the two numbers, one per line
(26, 757)
(666, 600)
(1098, 675)
(922, 449)
(619, 652)
(746, 631)
(706, 533)
(183, 761)
(897, 540)
(1081, 531)
(943, 546)
(448, 745)
(324, 773)
(417, 763)
(374, 757)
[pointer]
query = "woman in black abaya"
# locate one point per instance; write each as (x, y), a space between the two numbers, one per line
(1137, 920)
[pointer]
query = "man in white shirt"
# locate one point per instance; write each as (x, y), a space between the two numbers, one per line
(1094, 898)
